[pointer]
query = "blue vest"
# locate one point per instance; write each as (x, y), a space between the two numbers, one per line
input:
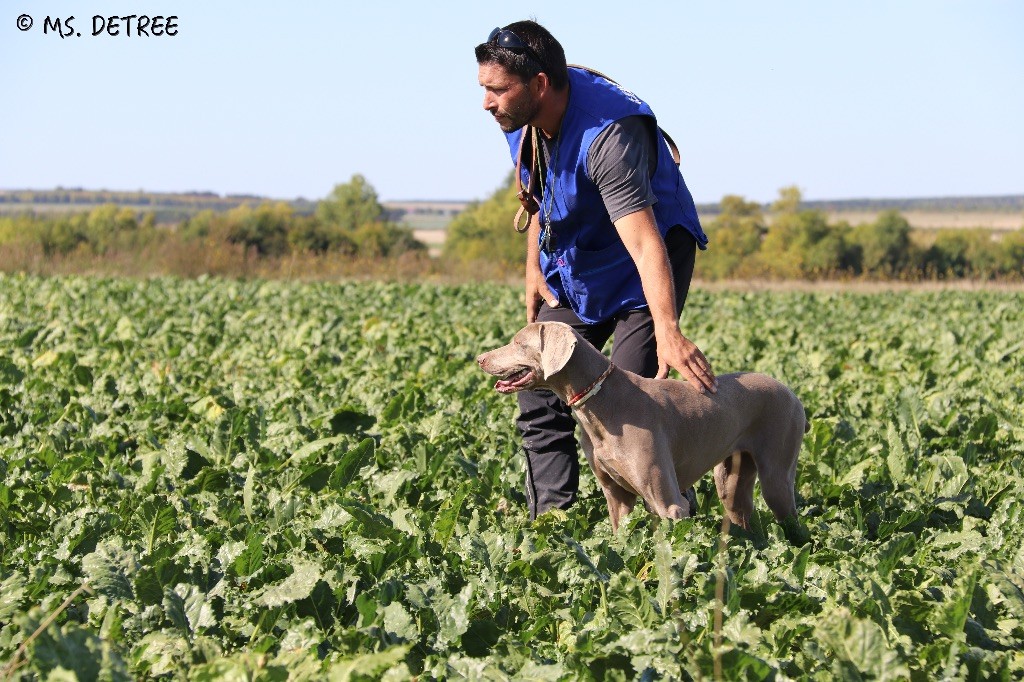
(589, 267)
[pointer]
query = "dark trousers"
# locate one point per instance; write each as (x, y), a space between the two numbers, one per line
(546, 423)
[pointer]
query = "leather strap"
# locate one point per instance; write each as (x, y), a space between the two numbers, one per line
(528, 202)
(668, 138)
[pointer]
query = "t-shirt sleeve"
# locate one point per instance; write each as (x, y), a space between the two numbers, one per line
(620, 163)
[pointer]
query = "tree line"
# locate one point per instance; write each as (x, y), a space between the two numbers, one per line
(349, 222)
(790, 241)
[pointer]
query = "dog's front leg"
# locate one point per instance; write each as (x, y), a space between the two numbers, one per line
(620, 501)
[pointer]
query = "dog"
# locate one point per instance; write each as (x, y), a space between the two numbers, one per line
(653, 438)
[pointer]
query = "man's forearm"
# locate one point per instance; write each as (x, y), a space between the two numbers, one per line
(643, 241)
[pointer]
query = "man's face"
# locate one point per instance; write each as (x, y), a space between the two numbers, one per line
(508, 99)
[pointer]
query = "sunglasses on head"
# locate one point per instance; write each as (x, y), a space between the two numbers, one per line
(502, 37)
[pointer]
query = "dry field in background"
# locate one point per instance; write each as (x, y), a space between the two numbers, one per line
(919, 220)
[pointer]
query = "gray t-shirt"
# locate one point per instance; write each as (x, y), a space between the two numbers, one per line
(616, 163)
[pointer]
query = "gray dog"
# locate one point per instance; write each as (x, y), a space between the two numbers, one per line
(654, 438)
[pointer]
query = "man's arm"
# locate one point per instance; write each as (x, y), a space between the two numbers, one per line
(639, 232)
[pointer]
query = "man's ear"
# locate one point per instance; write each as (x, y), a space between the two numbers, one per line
(557, 343)
(541, 83)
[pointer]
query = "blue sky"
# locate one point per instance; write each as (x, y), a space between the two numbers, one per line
(843, 99)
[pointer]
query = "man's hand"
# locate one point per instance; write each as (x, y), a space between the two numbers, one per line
(537, 293)
(678, 352)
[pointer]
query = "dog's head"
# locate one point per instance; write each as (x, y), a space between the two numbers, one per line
(538, 351)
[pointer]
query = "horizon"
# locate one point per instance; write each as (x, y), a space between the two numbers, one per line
(249, 195)
(839, 99)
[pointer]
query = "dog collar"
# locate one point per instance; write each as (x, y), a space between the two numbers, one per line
(589, 392)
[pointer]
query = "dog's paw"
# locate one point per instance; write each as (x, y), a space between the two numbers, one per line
(795, 531)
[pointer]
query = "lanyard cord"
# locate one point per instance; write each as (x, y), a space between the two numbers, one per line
(548, 196)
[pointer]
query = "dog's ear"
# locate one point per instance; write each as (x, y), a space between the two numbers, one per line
(557, 343)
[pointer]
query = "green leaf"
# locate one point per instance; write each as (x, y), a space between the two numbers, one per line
(945, 476)
(9, 372)
(856, 474)
(899, 547)
(295, 587)
(310, 449)
(368, 666)
(247, 492)
(896, 459)
(156, 519)
(148, 588)
(448, 516)
(73, 652)
(452, 613)
(373, 525)
(399, 624)
(350, 464)
(251, 558)
(110, 570)
(951, 616)
(628, 603)
(160, 653)
(663, 565)
(859, 643)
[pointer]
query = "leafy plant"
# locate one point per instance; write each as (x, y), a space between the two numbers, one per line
(272, 480)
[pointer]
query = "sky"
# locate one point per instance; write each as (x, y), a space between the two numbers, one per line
(867, 99)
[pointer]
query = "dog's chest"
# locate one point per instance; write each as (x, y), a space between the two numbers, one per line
(605, 451)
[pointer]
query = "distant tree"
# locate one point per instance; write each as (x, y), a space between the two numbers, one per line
(1011, 248)
(969, 253)
(384, 239)
(802, 243)
(351, 215)
(734, 235)
(883, 246)
(63, 235)
(350, 205)
(264, 228)
(110, 226)
(788, 201)
(201, 225)
(484, 232)
(309, 235)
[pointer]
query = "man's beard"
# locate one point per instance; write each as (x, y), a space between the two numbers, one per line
(516, 116)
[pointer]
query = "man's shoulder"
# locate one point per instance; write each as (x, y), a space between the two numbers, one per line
(628, 131)
(596, 85)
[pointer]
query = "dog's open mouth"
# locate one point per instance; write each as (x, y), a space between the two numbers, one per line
(516, 381)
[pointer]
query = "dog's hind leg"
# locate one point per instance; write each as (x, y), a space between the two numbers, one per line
(777, 490)
(776, 466)
(778, 481)
(734, 480)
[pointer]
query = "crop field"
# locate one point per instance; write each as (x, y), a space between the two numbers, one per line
(215, 479)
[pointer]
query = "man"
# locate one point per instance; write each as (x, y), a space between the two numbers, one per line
(611, 250)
